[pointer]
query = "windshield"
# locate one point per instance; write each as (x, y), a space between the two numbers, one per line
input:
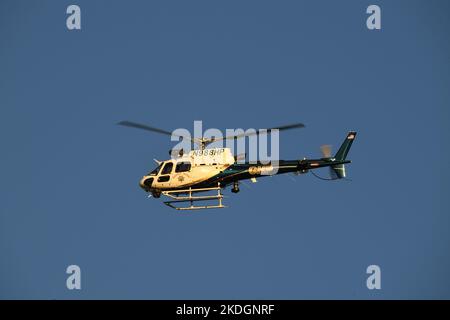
(155, 172)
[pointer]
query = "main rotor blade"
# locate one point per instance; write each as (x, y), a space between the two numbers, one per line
(201, 140)
(148, 128)
(280, 128)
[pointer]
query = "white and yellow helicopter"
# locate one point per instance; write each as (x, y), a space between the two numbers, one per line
(186, 178)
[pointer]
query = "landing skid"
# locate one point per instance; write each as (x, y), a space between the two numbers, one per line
(188, 196)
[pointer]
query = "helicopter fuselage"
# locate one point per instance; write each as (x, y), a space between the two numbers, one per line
(210, 167)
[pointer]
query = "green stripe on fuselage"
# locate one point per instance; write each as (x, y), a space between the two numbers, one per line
(240, 171)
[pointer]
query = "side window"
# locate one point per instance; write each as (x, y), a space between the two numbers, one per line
(183, 167)
(167, 168)
(163, 178)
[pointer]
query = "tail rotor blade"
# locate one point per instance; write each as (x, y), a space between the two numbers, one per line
(326, 150)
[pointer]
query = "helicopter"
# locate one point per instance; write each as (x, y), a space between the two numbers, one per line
(190, 179)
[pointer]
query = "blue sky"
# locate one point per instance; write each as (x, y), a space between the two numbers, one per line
(70, 176)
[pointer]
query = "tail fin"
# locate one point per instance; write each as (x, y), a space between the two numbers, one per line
(345, 147)
(341, 155)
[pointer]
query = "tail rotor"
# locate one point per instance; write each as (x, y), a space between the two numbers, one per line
(326, 150)
(337, 170)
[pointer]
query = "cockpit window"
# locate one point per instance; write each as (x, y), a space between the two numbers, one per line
(156, 170)
(167, 168)
(183, 167)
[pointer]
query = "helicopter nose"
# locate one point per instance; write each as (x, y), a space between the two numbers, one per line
(146, 183)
